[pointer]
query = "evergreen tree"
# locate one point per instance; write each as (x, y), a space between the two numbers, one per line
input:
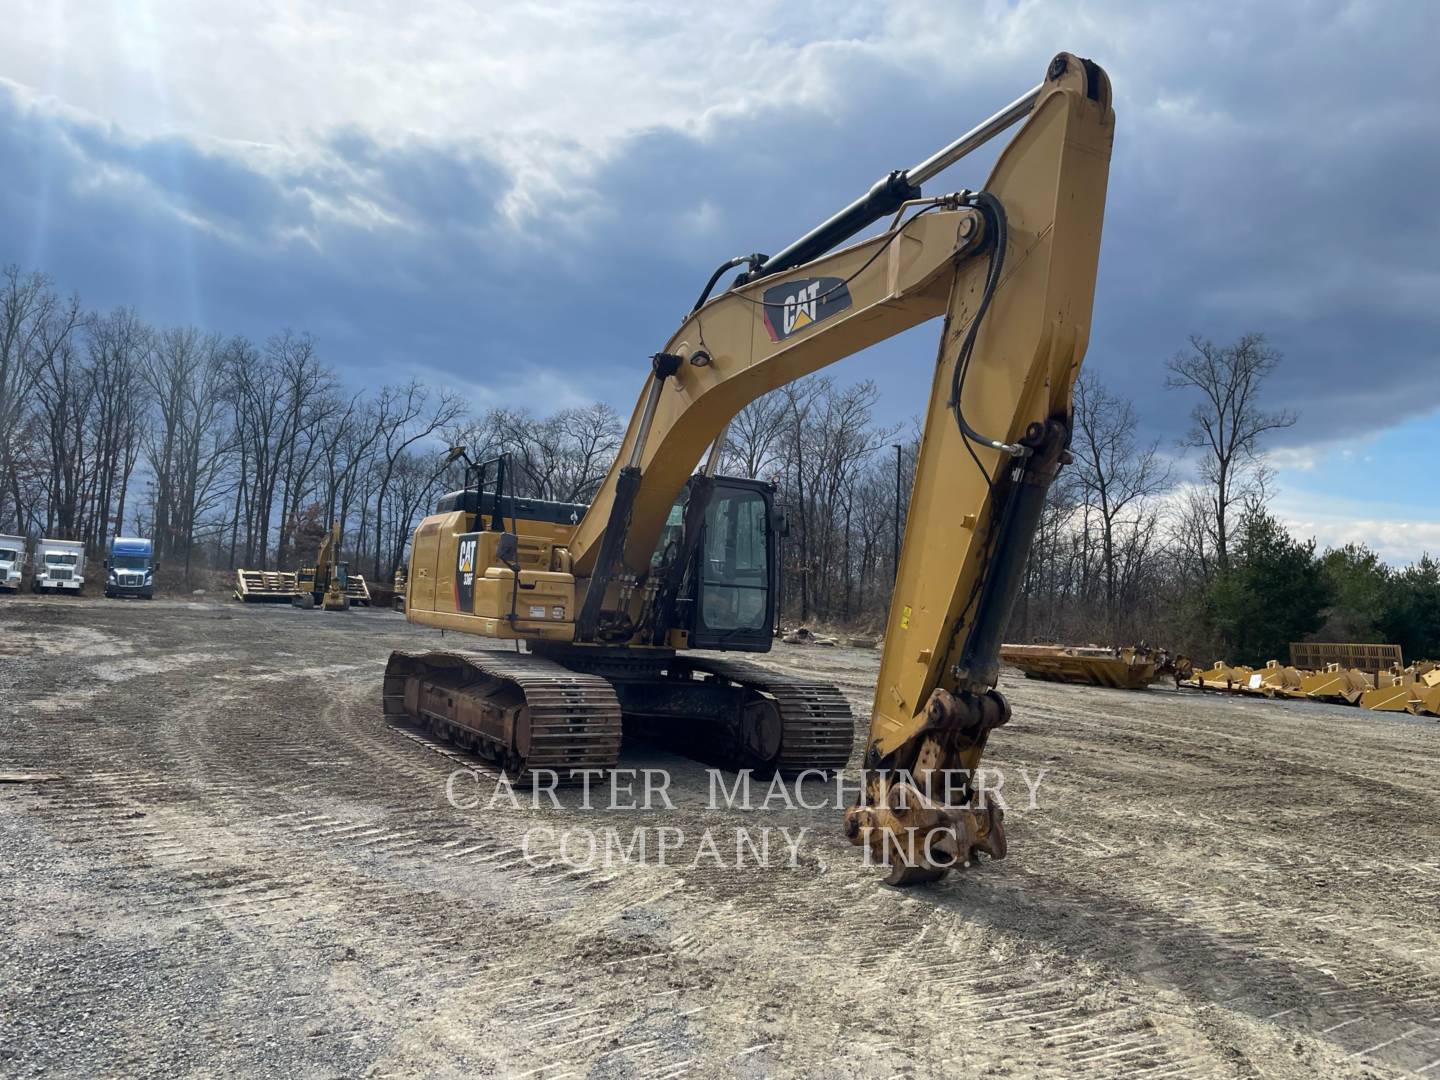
(1361, 586)
(1412, 615)
(1274, 592)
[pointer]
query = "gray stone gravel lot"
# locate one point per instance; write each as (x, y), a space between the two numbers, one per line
(244, 871)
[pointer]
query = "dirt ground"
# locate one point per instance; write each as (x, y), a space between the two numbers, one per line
(243, 870)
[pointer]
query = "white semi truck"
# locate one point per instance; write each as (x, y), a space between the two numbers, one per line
(59, 566)
(12, 562)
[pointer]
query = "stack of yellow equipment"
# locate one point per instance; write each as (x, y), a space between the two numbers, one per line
(1394, 691)
(1414, 689)
(357, 591)
(259, 586)
(254, 586)
(1403, 691)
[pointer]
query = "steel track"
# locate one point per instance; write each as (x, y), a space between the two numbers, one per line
(574, 719)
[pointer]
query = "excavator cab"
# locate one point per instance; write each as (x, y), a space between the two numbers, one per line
(728, 587)
(729, 597)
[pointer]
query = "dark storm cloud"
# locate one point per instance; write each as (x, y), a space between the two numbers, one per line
(1271, 174)
(189, 236)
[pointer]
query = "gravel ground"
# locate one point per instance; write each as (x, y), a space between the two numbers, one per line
(243, 870)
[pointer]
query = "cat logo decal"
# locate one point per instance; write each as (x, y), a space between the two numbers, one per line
(795, 305)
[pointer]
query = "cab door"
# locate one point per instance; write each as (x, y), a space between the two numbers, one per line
(733, 597)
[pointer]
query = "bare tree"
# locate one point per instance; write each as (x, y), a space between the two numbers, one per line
(1228, 423)
(1117, 482)
(592, 435)
(28, 305)
(826, 448)
(563, 456)
(118, 344)
(414, 482)
(1191, 526)
(238, 360)
(348, 435)
(1048, 588)
(307, 387)
(64, 394)
(799, 399)
(187, 447)
(171, 365)
(277, 400)
(752, 443)
(254, 397)
(404, 415)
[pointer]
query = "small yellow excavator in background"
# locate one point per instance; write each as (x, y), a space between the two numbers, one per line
(325, 582)
(328, 583)
(613, 599)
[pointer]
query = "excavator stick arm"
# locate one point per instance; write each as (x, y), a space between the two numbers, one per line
(973, 506)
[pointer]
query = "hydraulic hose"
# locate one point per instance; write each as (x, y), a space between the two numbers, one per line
(994, 214)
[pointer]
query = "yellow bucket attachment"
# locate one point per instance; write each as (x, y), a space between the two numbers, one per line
(1393, 693)
(1336, 684)
(1426, 701)
(1275, 680)
(1223, 676)
(1123, 669)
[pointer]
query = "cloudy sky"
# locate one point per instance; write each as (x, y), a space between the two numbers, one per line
(521, 199)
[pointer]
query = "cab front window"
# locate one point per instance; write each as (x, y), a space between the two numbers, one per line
(735, 575)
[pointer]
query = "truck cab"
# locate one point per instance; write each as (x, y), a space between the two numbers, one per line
(59, 567)
(12, 562)
(130, 567)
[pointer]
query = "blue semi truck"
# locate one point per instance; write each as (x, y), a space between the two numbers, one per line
(130, 567)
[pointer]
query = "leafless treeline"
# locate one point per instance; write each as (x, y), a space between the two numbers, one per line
(233, 453)
(561, 457)
(835, 472)
(1096, 563)
(1126, 551)
(224, 451)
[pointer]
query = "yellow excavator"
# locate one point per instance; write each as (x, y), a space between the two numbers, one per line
(325, 583)
(613, 599)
